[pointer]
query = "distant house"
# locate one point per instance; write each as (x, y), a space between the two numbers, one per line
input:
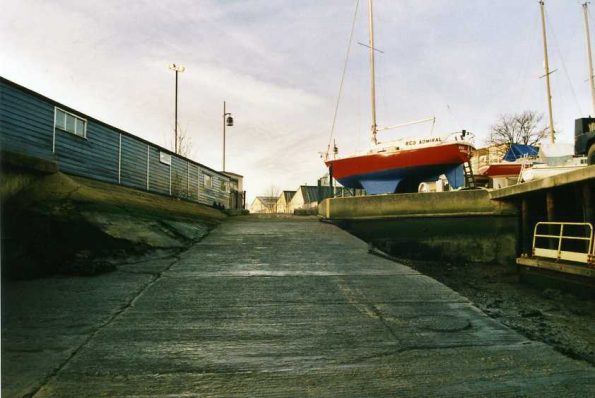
(306, 197)
(284, 200)
(484, 156)
(264, 204)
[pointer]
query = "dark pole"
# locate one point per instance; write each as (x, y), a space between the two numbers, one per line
(176, 115)
(227, 121)
(330, 183)
(525, 231)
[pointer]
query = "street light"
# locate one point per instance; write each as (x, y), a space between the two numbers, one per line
(177, 69)
(227, 121)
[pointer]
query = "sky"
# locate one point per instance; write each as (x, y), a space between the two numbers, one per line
(278, 65)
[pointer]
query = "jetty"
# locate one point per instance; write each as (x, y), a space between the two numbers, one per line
(268, 306)
(482, 226)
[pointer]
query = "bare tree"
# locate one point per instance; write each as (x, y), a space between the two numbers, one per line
(273, 192)
(520, 128)
(184, 143)
(179, 187)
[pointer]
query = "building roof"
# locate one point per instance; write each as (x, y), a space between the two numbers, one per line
(287, 195)
(267, 200)
(230, 174)
(312, 193)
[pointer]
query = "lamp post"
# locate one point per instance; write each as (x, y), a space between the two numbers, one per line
(177, 69)
(227, 121)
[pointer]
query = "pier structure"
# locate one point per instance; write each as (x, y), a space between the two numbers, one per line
(563, 197)
(556, 202)
(472, 226)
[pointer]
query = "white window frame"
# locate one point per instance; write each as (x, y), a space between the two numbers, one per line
(165, 158)
(77, 119)
(208, 181)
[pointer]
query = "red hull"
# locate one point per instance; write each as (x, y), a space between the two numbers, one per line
(449, 154)
(501, 169)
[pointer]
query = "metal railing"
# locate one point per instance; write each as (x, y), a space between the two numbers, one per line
(555, 242)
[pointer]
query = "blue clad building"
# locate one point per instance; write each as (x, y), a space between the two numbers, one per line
(37, 126)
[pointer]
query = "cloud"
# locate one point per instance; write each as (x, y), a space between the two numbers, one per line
(278, 65)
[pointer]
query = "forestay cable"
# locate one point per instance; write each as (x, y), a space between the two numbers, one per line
(342, 78)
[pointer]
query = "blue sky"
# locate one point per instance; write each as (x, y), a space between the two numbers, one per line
(278, 63)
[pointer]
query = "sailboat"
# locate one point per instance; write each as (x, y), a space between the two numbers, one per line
(557, 158)
(401, 165)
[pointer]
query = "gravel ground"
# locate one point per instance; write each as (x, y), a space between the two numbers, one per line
(557, 318)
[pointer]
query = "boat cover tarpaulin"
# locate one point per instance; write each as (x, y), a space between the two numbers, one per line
(517, 151)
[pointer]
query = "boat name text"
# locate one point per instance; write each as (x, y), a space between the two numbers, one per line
(423, 141)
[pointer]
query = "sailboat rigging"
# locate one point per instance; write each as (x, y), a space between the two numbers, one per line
(400, 165)
(556, 158)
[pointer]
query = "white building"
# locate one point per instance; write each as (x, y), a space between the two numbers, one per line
(284, 201)
(264, 204)
(305, 197)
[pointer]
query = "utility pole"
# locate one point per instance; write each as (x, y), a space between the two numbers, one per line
(177, 69)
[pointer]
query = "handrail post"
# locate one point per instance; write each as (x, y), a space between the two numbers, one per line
(534, 238)
(560, 240)
(590, 249)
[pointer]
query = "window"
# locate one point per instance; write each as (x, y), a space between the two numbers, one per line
(208, 181)
(165, 158)
(70, 123)
(224, 186)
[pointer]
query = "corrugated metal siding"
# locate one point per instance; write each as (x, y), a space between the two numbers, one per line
(206, 195)
(26, 123)
(202, 192)
(194, 182)
(158, 173)
(219, 195)
(133, 169)
(107, 154)
(179, 177)
(95, 156)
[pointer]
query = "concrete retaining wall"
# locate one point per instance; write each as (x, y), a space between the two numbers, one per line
(475, 202)
(454, 226)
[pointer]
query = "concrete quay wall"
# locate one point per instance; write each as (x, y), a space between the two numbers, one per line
(454, 226)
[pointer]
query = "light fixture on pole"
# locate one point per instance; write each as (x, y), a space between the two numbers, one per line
(177, 69)
(227, 121)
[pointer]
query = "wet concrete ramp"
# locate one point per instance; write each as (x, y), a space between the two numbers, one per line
(292, 307)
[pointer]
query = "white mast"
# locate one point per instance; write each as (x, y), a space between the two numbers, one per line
(589, 56)
(374, 129)
(547, 72)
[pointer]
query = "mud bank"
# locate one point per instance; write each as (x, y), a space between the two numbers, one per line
(53, 223)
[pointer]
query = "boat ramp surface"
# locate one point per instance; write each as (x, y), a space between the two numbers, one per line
(271, 307)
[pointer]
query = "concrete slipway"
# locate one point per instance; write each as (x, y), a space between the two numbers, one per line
(269, 307)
